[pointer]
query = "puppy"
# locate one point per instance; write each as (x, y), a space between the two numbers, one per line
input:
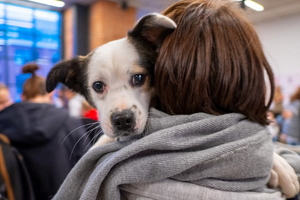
(117, 78)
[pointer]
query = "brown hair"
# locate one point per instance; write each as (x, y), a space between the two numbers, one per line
(213, 63)
(296, 95)
(35, 85)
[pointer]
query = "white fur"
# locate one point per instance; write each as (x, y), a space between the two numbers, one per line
(114, 64)
(165, 21)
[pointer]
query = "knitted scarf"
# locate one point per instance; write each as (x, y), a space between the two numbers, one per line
(226, 152)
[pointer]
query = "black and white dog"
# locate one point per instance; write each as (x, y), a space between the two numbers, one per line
(117, 78)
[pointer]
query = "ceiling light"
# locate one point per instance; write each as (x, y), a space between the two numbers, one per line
(50, 2)
(253, 5)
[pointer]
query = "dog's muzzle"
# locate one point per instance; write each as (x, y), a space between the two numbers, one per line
(123, 122)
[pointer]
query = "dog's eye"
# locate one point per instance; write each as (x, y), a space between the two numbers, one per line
(98, 87)
(138, 79)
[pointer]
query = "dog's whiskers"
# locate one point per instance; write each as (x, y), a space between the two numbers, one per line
(83, 126)
(76, 144)
(91, 123)
(92, 141)
(100, 132)
(90, 131)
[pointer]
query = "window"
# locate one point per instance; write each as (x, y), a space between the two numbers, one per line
(27, 35)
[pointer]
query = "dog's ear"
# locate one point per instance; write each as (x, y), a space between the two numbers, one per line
(153, 28)
(69, 72)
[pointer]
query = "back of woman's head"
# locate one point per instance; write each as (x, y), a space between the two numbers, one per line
(213, 62)
(35, 85)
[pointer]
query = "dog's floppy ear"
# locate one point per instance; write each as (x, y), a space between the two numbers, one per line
(152, 28)
(69, 72)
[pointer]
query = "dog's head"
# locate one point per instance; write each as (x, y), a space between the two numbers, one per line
(117, 77)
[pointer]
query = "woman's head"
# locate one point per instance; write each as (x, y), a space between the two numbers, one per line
(34, 86)
(213, 62)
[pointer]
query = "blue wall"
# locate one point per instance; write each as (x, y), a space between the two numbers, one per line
(27, 35)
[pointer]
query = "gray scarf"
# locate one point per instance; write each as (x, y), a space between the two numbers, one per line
(226, 152)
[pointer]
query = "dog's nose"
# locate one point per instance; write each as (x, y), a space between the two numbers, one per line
(123, 121)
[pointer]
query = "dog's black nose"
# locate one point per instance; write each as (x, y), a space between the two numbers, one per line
(123, 121)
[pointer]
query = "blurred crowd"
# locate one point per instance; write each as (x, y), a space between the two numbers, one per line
(52, 131)
(285, 120)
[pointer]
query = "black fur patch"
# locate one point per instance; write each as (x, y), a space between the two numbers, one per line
(71, 73)
(147, 37)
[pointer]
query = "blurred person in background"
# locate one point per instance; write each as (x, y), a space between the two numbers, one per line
(277, 108)
(73, 101)
(273, 126)
(277, 102)
(5, 98)
(291, 123)
(46, 136)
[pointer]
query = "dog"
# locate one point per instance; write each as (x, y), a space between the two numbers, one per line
(117, 77)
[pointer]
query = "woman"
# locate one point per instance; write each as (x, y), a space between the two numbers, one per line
(277, 102)
(46, 136)
(210, 141)
(291, 124)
